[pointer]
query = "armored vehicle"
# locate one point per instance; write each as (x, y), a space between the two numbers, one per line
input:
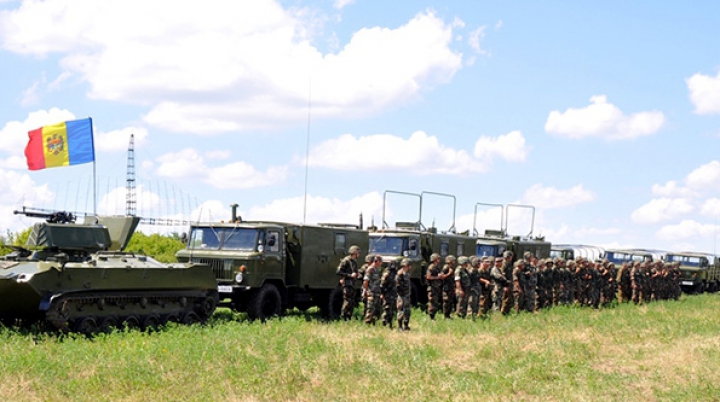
(700, 271)
(77, 278)
(264, 268)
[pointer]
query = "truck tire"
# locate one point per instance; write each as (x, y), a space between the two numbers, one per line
(265, 304)
(334, 303)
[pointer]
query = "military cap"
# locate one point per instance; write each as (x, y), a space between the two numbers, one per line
(369, 258)
(462, 260)
(434, 256)
(450, 258)
(507, 254)
(527, 255)
(405, 261)
(474, 260)
(354, 249)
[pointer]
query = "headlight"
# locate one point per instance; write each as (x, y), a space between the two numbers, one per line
(239, 277)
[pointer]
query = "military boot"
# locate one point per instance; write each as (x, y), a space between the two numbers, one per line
(400, 326)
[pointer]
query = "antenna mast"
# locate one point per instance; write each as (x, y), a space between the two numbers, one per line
(130, 204)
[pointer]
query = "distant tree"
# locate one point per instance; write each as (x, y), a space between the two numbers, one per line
(160, 247)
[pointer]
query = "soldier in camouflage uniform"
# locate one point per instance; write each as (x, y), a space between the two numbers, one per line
(541, 288)
(500, 282)
(486, 286)
(508, 297)
(622, 278)
(402, 282)
(462, 286)
(448, 273)
(361, 275)
(519, 285)
(637, 276)
(434, 279)
(347, 271)
(558, 266)
(371, 290)
(388, 294)
(474, 299)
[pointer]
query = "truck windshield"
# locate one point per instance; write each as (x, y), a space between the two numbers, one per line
(484, 250)
(223, 238)
(687, 260)
(387, 245)
(618, 257)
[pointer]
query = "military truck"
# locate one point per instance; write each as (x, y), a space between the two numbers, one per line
(411, 241)
(494, 242)
(700, 271)
(619, 256)
(264, 268)
(573, 251)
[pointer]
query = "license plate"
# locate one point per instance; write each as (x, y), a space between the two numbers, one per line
(225, 289)
(687, 283)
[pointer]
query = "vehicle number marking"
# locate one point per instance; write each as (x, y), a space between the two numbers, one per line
(225, 289)
(687, 283)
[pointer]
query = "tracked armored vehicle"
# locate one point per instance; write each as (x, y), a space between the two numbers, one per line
(77, 278)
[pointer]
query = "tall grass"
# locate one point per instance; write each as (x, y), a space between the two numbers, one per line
(661, 351)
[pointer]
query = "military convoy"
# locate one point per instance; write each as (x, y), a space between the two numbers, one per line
(77, 278)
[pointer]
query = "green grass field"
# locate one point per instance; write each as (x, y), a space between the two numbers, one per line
(662, 351)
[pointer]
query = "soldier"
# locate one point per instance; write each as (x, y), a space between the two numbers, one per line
(371, 290)
(500, 282)
(637, 277)
(434, 280)
(402, 282)
(485, 287)
(347, 271)
(569, 283)
(531, 283)
(622, 278)
(448, 274)
(519, 285)
(388, 294)
(556, 279)
(508, 298)
(361, 275)
(475, 287)
(462, 286)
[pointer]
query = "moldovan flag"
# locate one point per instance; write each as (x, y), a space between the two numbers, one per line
(62, 144)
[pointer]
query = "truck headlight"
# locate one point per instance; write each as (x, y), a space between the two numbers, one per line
(239, 277)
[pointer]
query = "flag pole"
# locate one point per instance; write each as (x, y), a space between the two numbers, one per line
(92, 138)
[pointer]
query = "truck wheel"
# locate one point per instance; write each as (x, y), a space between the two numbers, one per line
(266, 303)
(334, 303)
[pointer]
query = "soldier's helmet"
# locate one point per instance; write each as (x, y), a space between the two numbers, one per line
(507, 254)
(450, 258)
(474, 260)
(434, 256)
(369, 258)
(405, 262)
(462, 260)
(354, 249)
(527, 255)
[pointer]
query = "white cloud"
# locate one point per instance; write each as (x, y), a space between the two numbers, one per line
(510, 147)
(687, 229)
(711, 207)
(190, 164)
(255, 75)
(15, 133)
(704, 93)
(474, 39)
(662, 209)
(19, 190)
(706, 177)
(551, 197)
(340, 4)
(321, 209)
(421, 153)
(672, 189)
(603, 119)
(118, 140)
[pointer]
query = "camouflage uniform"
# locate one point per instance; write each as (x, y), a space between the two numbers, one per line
(449, 286)
(508, 298)
(462, 287)
(519, 285)
(637, 276)
(388, 293)
(485, 287)
(500, 282)
(474, 299)
(372, 293)
(531, 281)
(435, 286)
(403, 284)
(347, 270)
(361, 275)
(622, 278)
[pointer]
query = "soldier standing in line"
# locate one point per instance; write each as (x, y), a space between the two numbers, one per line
(486, 285)
(531, 281)
(462, 286)
(520, 285)
(474, 299)
(402, 282)
(508, 297)
(540, 289)
(500, 283)
(434, 280)
(676, 275)
(624, 284)
(388, 294)
(557, 280)
(371, 290)
(361, 275)
(347, 271)
(448, 274)
(637, 277)
(570, 280)
(647, 290)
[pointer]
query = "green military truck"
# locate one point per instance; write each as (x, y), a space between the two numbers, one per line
(700, 271)
(409, 240)
(264, 268)
(494, 242)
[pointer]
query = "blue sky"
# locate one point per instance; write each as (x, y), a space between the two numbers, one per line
(605, 116)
